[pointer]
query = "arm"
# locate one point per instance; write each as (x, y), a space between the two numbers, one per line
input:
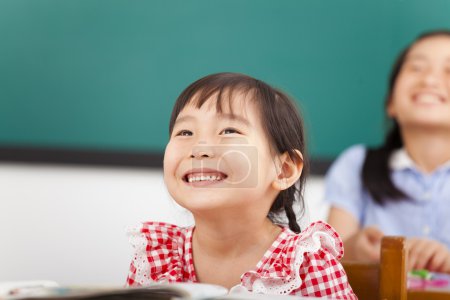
(359, 244)
(344, 191)
(344, 222)
(364, 244)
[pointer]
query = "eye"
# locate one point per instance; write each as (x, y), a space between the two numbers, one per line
(184, 133)
(416, 66)
(230, 130)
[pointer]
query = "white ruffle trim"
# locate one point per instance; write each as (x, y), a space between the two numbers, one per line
(318, 235)
(139, 242)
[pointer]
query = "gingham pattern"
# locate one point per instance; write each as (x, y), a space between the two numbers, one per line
(303, 264)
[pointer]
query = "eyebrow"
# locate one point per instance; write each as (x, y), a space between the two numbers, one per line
(415, 57)
(232, 117)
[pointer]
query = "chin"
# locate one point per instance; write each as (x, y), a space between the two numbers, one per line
(199, 206)
(427, 122)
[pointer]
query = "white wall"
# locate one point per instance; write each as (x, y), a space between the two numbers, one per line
(68, 224)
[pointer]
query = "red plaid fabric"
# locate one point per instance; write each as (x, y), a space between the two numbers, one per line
(303, 264)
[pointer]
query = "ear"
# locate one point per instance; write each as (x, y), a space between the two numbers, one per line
(288, 171)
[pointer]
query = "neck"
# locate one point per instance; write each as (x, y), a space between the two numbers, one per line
(225, 248)
(429, 149)
(230, 237)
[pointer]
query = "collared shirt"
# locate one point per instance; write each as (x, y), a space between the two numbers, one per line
(424, 213)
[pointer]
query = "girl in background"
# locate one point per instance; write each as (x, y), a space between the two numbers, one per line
(402, 187)
(235, 159)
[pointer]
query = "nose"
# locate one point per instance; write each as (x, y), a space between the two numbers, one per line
(431, 77)
(202, 150)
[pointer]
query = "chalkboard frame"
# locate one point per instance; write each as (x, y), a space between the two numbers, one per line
(102, 158)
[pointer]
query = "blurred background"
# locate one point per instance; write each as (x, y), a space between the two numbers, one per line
(87, 88)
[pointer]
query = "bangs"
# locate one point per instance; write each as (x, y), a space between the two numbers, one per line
(220, 89)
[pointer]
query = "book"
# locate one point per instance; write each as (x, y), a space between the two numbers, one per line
(40, 290)
(158, 291)
(426, 280)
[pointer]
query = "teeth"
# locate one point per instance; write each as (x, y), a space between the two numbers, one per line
(428, 99)
(204, 178)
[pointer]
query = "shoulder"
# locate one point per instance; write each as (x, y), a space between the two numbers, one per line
(317, 249)
(344, 187)
(148, 227)
(353, 156)
(317, 259)
(157, 228)
(318, 236)
(156, 233)
(358, 150)
(345, 172)
(158, 252)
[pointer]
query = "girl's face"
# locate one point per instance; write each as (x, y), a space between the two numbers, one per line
(220, 160)
(421, 96)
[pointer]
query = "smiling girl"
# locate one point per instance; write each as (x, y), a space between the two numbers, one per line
(235, 159)
(402, 187)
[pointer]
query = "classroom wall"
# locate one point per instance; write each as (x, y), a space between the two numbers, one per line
(68, 224)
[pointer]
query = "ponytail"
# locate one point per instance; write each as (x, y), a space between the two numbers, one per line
(376, 174)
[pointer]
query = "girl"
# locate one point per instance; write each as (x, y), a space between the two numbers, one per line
(402, 187)
(235, 159)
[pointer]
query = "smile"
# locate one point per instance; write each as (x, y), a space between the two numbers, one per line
(428, 98)
(204, 178)
(203, 175)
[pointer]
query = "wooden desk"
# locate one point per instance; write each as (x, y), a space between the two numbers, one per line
(428, 295)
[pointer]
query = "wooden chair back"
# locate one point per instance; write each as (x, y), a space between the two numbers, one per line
(381, 281)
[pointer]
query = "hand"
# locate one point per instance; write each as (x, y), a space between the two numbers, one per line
(427, 254)
(364, 245)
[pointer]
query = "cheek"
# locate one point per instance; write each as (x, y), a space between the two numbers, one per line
(237, 160)
(405, 84)
(390, 109)
(400, 96)
(171, 159)
(398, 93)
(270, 172)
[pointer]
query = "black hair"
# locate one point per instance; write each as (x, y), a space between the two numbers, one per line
(376, 174)
(281, 122)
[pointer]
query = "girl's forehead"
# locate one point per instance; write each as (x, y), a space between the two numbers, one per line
(238, 104)
(430, 47)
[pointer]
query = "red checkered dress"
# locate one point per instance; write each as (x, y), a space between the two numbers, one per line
(303, 264)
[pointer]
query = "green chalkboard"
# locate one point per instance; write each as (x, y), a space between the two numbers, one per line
(104, 74)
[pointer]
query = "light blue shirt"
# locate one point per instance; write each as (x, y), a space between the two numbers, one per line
(426, 213)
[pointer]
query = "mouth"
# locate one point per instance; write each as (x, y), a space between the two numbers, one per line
(429, 98)
(204, 176)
